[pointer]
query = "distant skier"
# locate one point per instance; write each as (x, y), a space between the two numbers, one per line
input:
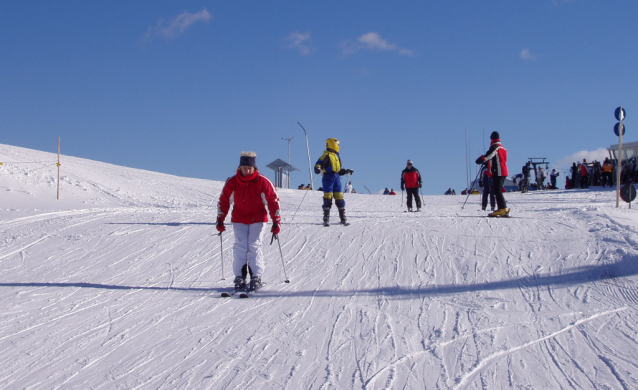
(496, 158)
(253, 197)
(348, 188)
(552, 178)
(608, 168)
(584, 175)
(330, 164)
(411, 182)
(540, 179)
(526, 177)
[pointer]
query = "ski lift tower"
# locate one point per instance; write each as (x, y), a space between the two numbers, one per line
(538, 161)
(282, 172)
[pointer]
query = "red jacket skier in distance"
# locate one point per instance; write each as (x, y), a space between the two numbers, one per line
(251, 195)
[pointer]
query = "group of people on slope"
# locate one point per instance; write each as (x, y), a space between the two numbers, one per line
(524, 178)
(585, 174)
(254, 198)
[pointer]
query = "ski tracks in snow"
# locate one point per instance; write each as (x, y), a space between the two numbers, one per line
(127, 297)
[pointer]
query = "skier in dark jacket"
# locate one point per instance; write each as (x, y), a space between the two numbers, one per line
(411, 182)
(526, 177)
(496, 159)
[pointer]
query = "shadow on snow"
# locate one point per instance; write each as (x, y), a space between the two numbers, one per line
(628, 266)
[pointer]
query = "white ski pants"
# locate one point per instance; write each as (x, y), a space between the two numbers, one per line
(247, 248)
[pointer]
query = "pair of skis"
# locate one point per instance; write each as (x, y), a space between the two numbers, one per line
(340, 223)
(241, 293)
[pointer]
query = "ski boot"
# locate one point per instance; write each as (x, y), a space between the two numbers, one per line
(240, 283)
(326, 216)
(255, 283)
(342, 216)
(500, 213)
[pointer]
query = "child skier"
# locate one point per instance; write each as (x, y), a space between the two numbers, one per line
(330, 164)
(254, 197)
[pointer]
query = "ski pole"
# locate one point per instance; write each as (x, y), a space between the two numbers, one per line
(221, 245)
(302, 199)
(472, 186)
(283, 265)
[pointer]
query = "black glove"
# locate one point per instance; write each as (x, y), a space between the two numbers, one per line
(275, 228)
(420, 185)
(402, 188)
(479, 160)
(342, 172)
(349, 171)
(317, 170)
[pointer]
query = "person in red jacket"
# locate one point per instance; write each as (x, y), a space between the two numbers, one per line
(496, 159)
(411, 182)
(253, 197)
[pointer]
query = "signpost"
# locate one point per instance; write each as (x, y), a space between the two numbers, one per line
(619, 130)
(628, 193)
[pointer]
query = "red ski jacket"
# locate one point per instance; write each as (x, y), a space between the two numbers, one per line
(496, 157)
(250, 195)
(410, 178)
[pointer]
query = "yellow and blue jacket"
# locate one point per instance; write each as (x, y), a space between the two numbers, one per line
(329, 162)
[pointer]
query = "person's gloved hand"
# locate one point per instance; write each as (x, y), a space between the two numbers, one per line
(275, 228)
(479, 160)
(402, 188)
(276, 222)
(220, 225)
(317, 170)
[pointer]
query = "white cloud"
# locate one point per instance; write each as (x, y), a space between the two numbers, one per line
(300, 42)
(373, 41)
(526, 55)
(177, 25)
(598, 154)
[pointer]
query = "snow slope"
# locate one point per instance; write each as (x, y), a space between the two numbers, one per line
(116, 286)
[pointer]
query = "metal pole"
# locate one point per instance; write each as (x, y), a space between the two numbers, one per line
(288, 139)
(312, 185)
(221, 245)
(620, 131)
(283, 265)
(470, 192)
(58, 168)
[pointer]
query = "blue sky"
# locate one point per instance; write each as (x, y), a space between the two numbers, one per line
(184, 87)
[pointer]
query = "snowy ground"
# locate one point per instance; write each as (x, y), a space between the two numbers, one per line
(116, 286)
